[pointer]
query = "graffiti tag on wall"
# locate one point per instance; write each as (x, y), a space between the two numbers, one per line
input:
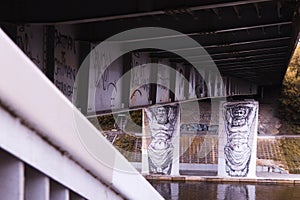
(30, 39)
(140, 78)
(66, 61)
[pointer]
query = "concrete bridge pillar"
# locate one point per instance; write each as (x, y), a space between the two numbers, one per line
(160, 145)
(237, 139)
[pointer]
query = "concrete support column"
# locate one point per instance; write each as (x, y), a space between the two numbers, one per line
(145, 137)
(238, 139)
(161, 136)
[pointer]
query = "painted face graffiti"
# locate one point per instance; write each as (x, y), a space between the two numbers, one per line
(160, 150)
(161, 115)
(238, 118)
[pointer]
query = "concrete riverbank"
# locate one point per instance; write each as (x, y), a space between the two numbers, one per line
(262, 177)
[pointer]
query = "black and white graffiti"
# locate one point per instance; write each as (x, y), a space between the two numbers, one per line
(66, 61)
(238, 118)
(104, 81)
(140, 79)
(30, 39)
(162, 121)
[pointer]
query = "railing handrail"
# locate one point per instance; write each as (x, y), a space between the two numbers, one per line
(33, 98)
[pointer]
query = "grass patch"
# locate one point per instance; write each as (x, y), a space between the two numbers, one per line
(290, 148)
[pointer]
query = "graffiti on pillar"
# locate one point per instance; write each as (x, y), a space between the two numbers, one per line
(30, 39)
(162, 122)
(140, 78)
(104, 81)
(238, 119)
(66, 61)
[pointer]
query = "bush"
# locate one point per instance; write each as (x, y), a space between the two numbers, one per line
(289, 111)
(106, 122)
(126, 142)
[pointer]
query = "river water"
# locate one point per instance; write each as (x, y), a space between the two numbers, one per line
(223, 191)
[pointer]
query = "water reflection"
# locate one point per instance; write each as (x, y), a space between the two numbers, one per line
(170, 190)
(235, 191)
(240, 192)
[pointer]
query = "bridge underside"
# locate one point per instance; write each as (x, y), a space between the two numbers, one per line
(252, 39)
(251, 42)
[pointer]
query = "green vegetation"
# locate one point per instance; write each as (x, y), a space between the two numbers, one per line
(290, 148)
(134, 121)
(129, 146)
(290, 97)
(106, 122)
(126, 142)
